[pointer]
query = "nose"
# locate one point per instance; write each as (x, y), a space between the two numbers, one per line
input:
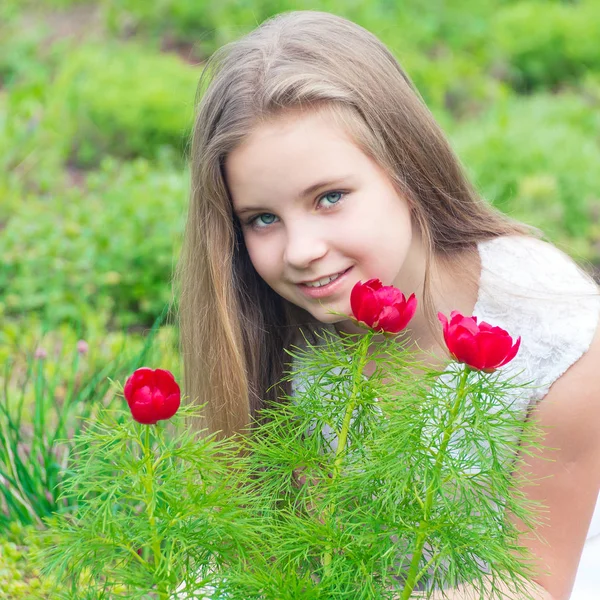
(304, 245)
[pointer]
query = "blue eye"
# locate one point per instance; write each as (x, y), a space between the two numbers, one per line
(259, 222)
(340, 194)
(255, 219)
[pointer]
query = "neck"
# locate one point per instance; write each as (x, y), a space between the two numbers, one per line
(454, 285)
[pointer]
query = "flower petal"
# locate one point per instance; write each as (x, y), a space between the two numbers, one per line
(144, 413)
(493, 348)
(373, 284)
(512, 353)
(369, 309)
(140, 377)
(465, 349)
(147, 391)
(170, 406)
(142, 395)
(388, 295)
(356, 296)
(389, 319)
(165, 381)
(469, 323)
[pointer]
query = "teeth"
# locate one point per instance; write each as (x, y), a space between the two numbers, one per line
(323, 281)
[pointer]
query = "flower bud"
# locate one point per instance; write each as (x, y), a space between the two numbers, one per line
(40, 354)
(478, 345)
(152, 395)
(382, 307)
(82, 347)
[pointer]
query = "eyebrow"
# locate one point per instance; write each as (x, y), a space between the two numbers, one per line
(307, 192)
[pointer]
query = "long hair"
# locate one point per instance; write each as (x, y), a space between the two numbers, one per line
(233, 327)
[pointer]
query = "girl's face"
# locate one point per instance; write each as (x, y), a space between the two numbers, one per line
(312, 205)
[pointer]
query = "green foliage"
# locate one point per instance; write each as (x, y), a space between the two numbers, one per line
(50, 4)
(107, 247)
(41, 403)
(184, 20)
(19, 337)
(20, 54)
(19, 580)
(445, 50)
(536, 159)
(154, 509)
(100, 99)
(411, 495)
(32, 147)
(128, 102)
(396, 493)
(548, 43)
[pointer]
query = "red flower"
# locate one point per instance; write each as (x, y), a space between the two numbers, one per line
(152, 394)
(382, 307)
(481, 346)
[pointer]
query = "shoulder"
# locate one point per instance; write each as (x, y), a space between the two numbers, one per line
(533, 290)
(572, 408)
(530, 264)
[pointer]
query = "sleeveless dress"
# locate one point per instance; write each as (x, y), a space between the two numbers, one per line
(555, 332)
(531, 289)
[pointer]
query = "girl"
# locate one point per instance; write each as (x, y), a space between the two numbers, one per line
(315, 165)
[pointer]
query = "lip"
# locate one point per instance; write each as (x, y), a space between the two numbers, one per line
(325, 290)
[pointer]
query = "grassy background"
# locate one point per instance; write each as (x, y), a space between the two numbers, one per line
(96, 105)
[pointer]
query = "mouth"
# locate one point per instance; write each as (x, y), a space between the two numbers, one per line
(324, 290)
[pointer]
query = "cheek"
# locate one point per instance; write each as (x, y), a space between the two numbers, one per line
(262, 255)
(384, 225)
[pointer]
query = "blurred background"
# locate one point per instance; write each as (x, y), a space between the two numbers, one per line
(96, 106)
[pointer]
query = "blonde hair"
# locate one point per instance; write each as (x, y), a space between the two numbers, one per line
(233, 327)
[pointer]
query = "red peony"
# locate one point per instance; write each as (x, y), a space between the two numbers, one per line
(152, 394)
(479, 345)
(382, 307)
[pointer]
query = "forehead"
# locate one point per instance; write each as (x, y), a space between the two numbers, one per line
(289, 153)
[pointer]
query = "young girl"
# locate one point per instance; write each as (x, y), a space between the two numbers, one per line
(315, 165)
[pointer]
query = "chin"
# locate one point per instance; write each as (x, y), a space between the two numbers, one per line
(341, 320)
(331, 319)
(322, 314)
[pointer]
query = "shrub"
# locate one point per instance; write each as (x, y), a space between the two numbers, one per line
(117, 99)
(445, 50)
(49, 381)
(19, 579)
(547, 43)
(535, 159)
(108, 248)
(128, 102)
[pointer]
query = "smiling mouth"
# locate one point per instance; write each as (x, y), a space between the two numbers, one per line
(323, 291)
(323, 281)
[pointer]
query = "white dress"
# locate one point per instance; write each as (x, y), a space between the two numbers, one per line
(531, 289)
(555, 334)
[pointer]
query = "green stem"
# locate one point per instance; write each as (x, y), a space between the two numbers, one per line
(150, 504)
(413, 572)
(362, 352)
